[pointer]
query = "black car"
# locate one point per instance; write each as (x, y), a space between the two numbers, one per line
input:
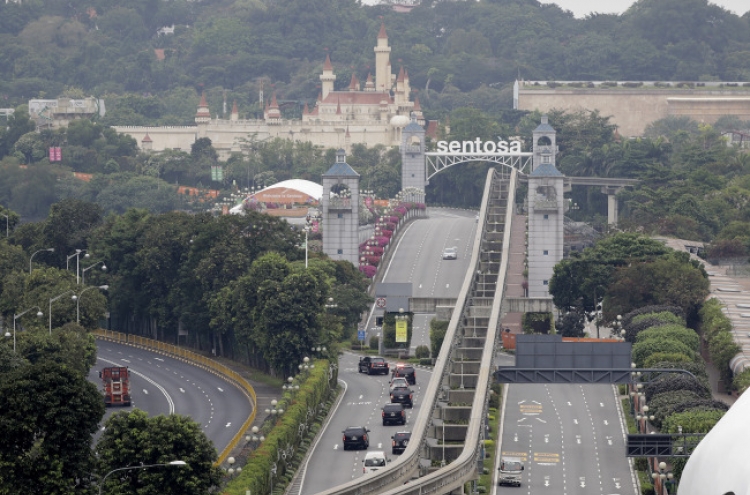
(394, 414)
(373, 365)
(405, 371)
(356, 437)
(402, 395)
(400, 441)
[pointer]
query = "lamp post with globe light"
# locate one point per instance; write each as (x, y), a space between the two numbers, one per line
(39, 314)
(145, 466)
(83, 272)
(77, 299)
(51, 250)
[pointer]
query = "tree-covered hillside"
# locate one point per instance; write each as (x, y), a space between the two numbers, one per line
(457, 53)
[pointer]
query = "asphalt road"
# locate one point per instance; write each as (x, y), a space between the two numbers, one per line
(570, 437)
(163, 385)
(417, 259)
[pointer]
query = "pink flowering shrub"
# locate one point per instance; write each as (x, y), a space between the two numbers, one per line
(368, 271)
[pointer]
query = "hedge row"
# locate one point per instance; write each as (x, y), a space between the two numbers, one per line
(285, 434)
(716, 330)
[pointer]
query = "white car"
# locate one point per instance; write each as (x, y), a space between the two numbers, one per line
(450, 253)
(374, 460)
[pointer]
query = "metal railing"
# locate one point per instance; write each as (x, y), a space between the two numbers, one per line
(194, 359)
(464, 468)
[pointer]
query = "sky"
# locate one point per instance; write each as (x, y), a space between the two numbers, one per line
(581, 8)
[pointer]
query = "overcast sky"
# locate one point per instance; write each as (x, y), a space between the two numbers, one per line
(581, 8)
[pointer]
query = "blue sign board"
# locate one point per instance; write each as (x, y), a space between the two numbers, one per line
(361, 335)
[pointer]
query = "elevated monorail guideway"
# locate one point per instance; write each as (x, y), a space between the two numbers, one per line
(437, 161)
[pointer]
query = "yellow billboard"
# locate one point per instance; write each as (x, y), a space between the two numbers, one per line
(401, 335)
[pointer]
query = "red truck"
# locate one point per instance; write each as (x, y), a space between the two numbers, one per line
(116, 385)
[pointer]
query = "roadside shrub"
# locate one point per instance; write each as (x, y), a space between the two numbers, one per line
(742, 381)
(437, 334)
(666, 357)
(374, 343)
(672, 383)
(671, 331)
(692, 421)
(422, 351)
(642, 350)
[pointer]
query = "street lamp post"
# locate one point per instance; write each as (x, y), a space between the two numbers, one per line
(77, 256)
(51, 250)
(77, 299)
(83, 272)
(39, 314)
(50, 307)
(145, 466)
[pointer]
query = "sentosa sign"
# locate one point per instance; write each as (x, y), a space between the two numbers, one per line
(479, 146)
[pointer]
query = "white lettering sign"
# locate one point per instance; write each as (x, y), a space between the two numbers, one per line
(479, 147)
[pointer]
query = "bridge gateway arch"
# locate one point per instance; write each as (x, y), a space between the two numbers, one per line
(546, 206)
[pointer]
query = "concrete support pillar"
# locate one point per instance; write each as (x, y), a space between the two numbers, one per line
(612, 208)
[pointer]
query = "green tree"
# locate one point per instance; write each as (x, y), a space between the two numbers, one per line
(50, 413)
(132, 439)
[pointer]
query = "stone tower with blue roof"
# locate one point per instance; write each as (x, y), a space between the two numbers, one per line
(412, 156)
(545, 212)
(341, 211)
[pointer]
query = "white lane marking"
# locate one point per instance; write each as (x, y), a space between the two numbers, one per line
(182, 390)
(220, 389)
(229, 425)
(170, 402)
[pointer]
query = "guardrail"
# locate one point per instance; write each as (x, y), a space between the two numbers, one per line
(196, 360)
(390, 481)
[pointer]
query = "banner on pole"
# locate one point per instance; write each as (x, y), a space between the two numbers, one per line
(401, 334)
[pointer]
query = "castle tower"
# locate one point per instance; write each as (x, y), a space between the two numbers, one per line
(273, 113)
(147, 143)
(412, 156)
(327, 78)
(382, 62)
(203, 115)
(369, 84)
(235, 115)
(546, 210)
(341, 211)
(417, 111)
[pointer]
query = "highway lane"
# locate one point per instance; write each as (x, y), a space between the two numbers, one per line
(329, 464)
(570, 437)
(416, 259)
(164, 385)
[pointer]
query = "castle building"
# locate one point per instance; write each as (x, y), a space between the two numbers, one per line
(371, 113)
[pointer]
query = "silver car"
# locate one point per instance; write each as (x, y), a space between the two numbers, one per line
(450, 253)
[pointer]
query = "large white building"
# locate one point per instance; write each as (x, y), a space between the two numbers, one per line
(371, 113)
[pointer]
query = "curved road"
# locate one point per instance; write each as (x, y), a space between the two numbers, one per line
(164, 385)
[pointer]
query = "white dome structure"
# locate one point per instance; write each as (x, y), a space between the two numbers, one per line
(400, 120)
(719, 464)
(291, 191)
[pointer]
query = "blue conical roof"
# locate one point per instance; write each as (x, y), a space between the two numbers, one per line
(341, 168)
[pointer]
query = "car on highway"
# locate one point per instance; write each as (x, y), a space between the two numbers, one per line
(450, 253)
(374, 460)
(373, 365)
(398, 382)
(402, 395)
(393, 414)
(511, 471)
(356, 437)
(400, 441)
(402, 370)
